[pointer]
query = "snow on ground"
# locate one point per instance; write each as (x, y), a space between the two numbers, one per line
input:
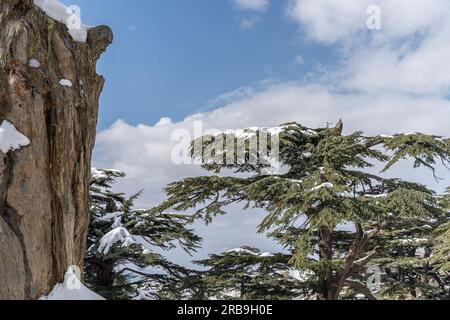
(10, 138)
(67, 15)
(71, 289)
(65, 83)
(118, 235)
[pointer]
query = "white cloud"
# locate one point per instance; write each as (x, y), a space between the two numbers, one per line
(254, 5)
(408, 55)
(330, 21)
(248, 23)
(299, 60)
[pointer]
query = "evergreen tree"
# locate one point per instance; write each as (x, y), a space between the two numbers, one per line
(248, 274)
(404, 256)
(327, 205)
(441, 251)
(121, 262)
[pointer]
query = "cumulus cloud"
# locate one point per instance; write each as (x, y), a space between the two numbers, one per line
(254, 5)
(330, 21)
(408, 55)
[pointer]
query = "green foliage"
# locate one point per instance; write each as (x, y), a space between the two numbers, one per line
(441, 253)
(326, 205)
(132, 264)
(248, 274)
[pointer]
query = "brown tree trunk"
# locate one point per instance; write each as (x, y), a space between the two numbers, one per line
(105, 272)
(326, 253)
(44, 201)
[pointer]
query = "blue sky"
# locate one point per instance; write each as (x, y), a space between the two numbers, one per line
(170, 57)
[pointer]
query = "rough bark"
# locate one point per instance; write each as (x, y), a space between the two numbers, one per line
(44, 203)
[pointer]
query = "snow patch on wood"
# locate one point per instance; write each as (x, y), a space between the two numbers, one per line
(34, 63)
(65, 83)
(10, 138)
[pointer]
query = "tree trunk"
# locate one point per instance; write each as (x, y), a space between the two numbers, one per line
(44, 184)
(105, 273)
(326, 254)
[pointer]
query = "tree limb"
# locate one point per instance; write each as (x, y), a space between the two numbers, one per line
(359, 287)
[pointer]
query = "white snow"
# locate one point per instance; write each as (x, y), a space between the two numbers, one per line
(421, 252)
(117, 223)
(102, 174)
(115, 217)
(266, 255)
(145, 295)
(327, 185)
(34, 63)
(241, 251)
(98, 174)
(309, 132)
(414, 240)
(244, 134)
(71, 289)
(10, 138)
(275, 131)
(250, 252)
(377, 196)
(118, 235)
(300, 275)
(253, 131)
(65, 83)
(112, 216)
(69, 15)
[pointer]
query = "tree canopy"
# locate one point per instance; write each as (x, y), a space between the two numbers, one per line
(327, 202)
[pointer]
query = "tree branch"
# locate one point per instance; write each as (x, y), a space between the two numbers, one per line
(359, 287)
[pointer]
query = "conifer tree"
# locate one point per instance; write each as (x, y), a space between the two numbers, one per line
(441, 250)
(122, 262)
(248, 274)
(441, 253)
(405, 259)
(327, 204)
